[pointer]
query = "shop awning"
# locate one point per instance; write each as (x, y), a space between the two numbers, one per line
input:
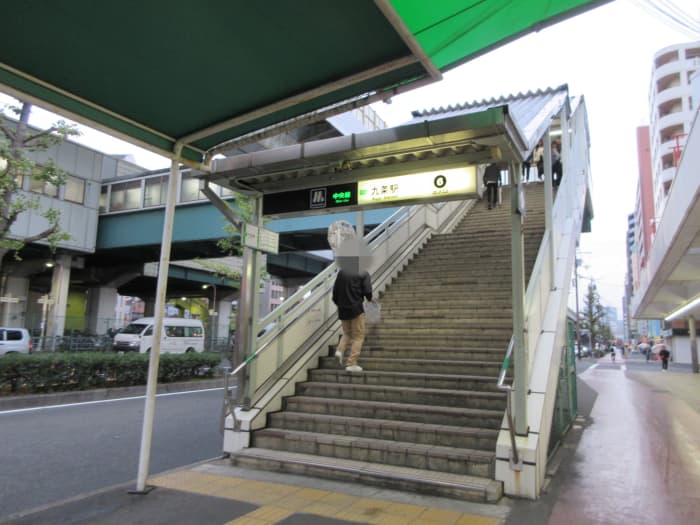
(157, 72)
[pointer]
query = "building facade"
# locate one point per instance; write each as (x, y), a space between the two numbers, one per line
(671, 112)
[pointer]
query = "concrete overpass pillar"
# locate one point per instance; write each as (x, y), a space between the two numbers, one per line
(60, 283)
(149, 308)
(15, 314)
(101, 309)
(223, 320)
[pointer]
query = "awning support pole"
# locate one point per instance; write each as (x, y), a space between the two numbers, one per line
(161, 290)
(520, 383)
(693, 344)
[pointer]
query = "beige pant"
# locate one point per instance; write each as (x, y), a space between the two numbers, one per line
(353, 335)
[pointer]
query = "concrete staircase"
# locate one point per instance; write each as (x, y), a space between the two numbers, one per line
(424, 414)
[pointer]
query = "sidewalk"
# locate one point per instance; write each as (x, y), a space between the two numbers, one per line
(630, 458)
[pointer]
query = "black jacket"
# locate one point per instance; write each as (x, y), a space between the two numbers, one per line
(348, 292)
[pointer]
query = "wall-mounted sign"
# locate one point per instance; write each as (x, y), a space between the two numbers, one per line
(260, 239)
(434, 185)
(323, 197)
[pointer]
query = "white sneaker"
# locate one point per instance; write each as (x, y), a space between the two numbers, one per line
(339, 356)
(353, 368)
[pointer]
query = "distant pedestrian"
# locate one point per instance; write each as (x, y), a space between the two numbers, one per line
(492, 181)
(646, 350)
(612, 353)
(663, 353)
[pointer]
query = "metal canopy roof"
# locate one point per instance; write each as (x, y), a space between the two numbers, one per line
(506, 128)
(160, 73)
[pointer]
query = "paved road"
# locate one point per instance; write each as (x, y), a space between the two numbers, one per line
(53, 453)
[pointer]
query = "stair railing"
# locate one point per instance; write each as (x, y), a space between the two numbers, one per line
(392, 243)
(516, 462)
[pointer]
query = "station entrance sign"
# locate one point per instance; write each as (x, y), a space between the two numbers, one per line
(432, 186)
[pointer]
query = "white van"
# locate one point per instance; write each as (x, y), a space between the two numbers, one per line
(179, 336)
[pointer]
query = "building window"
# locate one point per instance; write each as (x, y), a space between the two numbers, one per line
(103, 199)
(125, 196)
(156, 191)
(189, 190)
(43, 187)
(74, 190)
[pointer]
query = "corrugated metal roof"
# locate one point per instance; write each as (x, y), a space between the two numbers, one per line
(505, 128)
(532, 112)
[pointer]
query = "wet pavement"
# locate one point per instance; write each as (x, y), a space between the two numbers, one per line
(638, 460)
(632, 457)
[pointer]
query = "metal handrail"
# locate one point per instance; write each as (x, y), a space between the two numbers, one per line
(318, 286)
(516, 462)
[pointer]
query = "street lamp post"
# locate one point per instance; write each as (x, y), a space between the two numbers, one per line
(212, 315)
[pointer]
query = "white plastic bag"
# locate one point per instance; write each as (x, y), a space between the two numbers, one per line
(373, 312)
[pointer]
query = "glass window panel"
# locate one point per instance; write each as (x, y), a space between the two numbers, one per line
(190, 189)
(46, 188)
(103, 199)
(74, 190)
(156, 191)
(125, 196)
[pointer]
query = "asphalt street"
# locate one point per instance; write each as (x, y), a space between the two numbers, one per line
(52, 453)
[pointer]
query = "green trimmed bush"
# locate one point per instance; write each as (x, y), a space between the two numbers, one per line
(65, 371)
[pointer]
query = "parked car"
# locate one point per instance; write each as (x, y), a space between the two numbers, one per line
(15, 341)
(585, 351)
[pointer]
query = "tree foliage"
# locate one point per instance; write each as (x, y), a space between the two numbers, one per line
(17, 143)
(593, 316)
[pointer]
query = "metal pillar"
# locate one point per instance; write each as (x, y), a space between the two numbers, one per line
(161, 289)
(247, 318)
(693, 344)
(520, 361)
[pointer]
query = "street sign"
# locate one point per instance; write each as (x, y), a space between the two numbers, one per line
(260, 239)
(45, 299)
(9, 299)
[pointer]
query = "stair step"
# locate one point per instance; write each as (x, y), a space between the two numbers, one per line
(398, 453)
(487, 369)
(412, 412)
(392, 394)
(443, 484)
(477, 356)
(372, 376)
(427, 434)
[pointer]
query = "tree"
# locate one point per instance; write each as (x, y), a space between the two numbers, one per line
(593, 317)
(17, 142)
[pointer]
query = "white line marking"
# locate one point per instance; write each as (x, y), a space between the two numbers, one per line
(167, 394)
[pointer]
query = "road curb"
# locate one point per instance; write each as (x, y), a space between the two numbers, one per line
(101, 394)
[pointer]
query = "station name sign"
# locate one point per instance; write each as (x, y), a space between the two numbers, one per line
(417, 186)
(445, 185)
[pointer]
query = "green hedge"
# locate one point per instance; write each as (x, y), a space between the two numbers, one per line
(59, 372)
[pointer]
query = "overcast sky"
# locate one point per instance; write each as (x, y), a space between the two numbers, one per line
(604, 55)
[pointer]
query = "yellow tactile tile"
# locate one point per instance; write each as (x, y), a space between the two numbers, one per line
(471, 519)
(437, 516)
(263, 516)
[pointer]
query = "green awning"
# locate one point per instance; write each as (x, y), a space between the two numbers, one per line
(204, 72)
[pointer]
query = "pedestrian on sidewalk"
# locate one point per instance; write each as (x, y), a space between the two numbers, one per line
(663, 353)
(352, 285)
